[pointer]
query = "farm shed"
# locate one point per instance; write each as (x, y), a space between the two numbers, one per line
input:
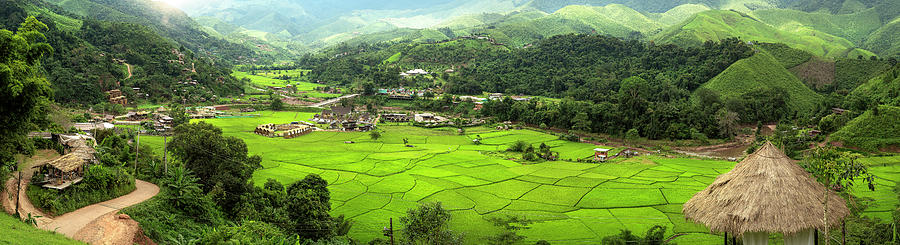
(64, 171)
(601, 154)
(766, 193)
(68, 169)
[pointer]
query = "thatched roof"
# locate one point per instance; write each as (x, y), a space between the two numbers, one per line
(69, 162)
(767, 192)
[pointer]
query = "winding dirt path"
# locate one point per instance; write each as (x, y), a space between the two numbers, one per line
(129, 71)
(73, 223)
(69, 224)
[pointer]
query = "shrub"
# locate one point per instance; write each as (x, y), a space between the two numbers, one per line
(518, 146)
(530, 156)
(654, 236)
(632, 134)
(49, 144)
(100, 183)
(570, 137)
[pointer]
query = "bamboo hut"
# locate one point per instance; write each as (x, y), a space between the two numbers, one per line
(64, 171)
(766, 193)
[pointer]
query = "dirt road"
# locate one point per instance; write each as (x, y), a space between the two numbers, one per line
(129, 71)
(335, 100)
(69, 224)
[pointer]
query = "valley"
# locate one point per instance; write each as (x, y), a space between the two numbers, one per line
(450, 122)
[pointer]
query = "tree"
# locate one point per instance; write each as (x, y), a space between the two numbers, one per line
(727, 122)
(178, 114)
(581, 122)
(183, 190)
(308, 204)
(24, 91)
(375, 135)
(633, 95)
(510, 225)
(836, 170)
(277, 104)
(632, 134)
(221, 163)
(428, 224)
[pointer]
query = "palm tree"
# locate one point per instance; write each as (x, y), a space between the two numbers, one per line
(183, 187)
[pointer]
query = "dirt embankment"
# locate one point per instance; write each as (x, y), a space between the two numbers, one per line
(113, 228)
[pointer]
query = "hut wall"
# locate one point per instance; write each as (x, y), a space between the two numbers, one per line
(756, 238)
(806, 237)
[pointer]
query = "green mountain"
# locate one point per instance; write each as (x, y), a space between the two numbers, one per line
(277, 46)
(678, 14)
(93, 56)
(883, 89)
(873, 130)
(763, 71)
(169, 22)
(858, 25)
(719, 24)
(885, 40)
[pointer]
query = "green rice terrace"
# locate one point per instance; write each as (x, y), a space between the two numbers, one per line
(372, 181)
(261, 81)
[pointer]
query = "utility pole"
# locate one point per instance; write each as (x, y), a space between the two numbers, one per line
(138, 150)
(389, 232)
(18, 189)
(165, 152)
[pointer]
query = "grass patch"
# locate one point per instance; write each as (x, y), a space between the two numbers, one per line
(17, 232)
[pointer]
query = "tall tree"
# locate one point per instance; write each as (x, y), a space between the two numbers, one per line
(836, 170)
(308, 204)
(24, 91)
(221, 163)
(277, 104)
(178, 114)
(428, 224)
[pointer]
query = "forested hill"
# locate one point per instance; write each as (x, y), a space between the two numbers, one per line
(169, 22)
(91, 57)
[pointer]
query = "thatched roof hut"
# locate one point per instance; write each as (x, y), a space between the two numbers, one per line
(69, 162)
(765, 193)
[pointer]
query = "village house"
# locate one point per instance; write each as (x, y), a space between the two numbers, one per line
(344, 118)
(115, 96)
(90, 127)
(426, 118)
(134, 116)
(838, 111)
(395, 117)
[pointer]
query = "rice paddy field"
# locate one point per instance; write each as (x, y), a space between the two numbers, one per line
(573, 203)
(264, 81)
(883, 201)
